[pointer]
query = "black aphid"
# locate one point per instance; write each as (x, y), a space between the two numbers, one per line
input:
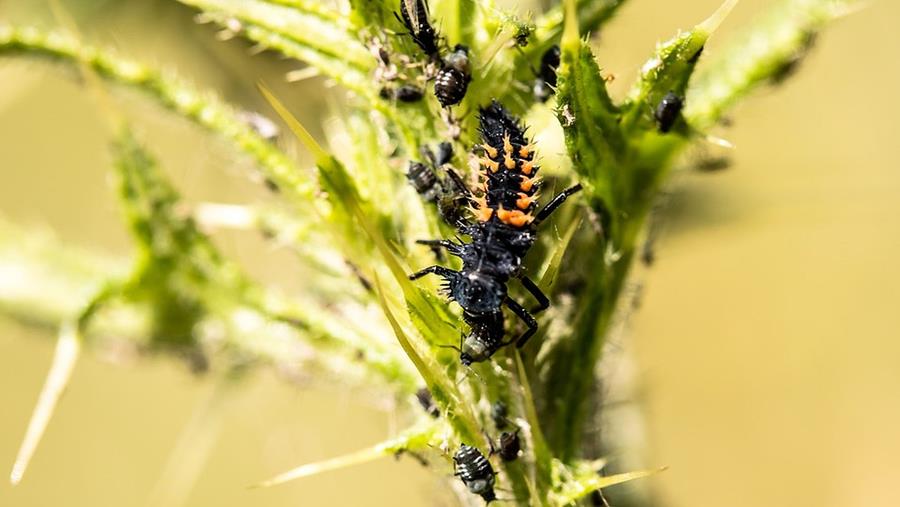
(404, 93)
(425, 399)
(409, 93)
(438, 182)
(452, 80)
(475, 471)
(498, 414)
(509, 446)
(414, 16)
(502, 233)
(424, 180)
(667, 111)
(545, 84)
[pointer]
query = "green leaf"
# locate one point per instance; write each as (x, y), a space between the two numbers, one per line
(669, 71)
(417, 438)
(199, 106)
(445, 393)
(766, 52)
(587, 481)
(307, 29)
(429, 320)
(589, 119)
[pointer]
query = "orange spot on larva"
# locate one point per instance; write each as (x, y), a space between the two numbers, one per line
(521, 219)
(527, 166)
(490, 164)
(514, 217)
(524, 201)
(507, 146)
(509, 162)
(484, 214)
(526, 184)
(490, 150)
(525, 151)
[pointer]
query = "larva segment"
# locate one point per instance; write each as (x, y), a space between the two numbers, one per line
(490, 164)
(511, 183)
(527, 183)
(515, 217)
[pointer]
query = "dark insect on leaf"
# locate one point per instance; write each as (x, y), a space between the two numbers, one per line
(405, 93)
(475, 471)
(545, 84)
(668, 111)
(510, 445)
(409, 93)
(452, 80)
(498, 414)
(414, 16)
(425, 399)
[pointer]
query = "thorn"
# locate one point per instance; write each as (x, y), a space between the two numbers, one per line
(710, 24)
(301, 74)
(718, 141)
(68, 347)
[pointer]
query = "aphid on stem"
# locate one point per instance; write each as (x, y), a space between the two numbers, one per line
(668, 111)
(452, 80)
(545, 83)
(475, 471)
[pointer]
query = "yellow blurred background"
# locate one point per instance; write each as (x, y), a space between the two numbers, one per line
(766, 353)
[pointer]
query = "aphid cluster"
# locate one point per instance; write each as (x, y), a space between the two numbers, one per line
(452, 79)
(396, 85)
(506, 220)
(438, 182)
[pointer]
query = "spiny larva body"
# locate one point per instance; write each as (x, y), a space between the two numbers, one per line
(502, 233)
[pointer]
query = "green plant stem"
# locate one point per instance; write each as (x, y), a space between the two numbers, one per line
(200, 107)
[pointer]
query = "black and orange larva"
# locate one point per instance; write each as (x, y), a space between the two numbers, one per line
(502, 233)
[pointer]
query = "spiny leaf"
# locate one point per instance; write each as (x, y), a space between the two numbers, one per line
(768, 50)
(307, 29)
(442, 389)
(589, 118)
(585, 485)
(669, 70)
(315, 7)
(542, 455)
(549, 274)
(342, 189)
(410, 440)
(201, 107)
